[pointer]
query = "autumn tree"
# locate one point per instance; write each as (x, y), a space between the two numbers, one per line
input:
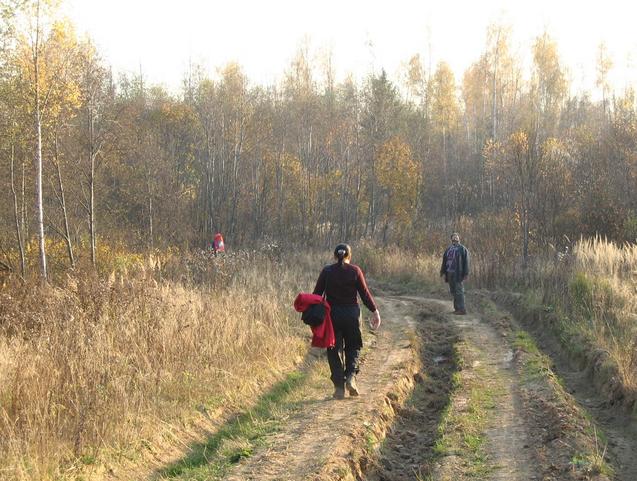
(555, 195)
(604, 64)
(97, 121)
(549, 88)
(380, 120)
(500, 72)
(445, 117)
(44, 56)
(517, 166)
(416, 82)
(33, 51)
(398, 178)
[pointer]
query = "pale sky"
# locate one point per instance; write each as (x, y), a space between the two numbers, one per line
(162, 36)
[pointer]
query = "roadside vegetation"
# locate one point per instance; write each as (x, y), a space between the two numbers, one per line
(587, 301)
(103, 371)
(585, 297)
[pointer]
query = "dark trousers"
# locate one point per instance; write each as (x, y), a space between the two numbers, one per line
(343, 357)
(457, 291)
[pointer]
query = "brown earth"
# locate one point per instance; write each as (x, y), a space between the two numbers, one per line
(390, 432)
(420, 370)
(320, 442)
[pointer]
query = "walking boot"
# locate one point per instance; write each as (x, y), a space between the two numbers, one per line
(339, 393)
(350, 384)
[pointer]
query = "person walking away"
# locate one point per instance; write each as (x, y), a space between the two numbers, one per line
(455, 269)
(341, 282)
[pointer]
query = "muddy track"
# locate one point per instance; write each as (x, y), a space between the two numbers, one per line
(408, 450)
(484, 358)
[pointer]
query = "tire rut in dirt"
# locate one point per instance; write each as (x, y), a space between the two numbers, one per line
(620, 429)
(408, 450)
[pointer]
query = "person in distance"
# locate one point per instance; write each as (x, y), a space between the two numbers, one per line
(455, 269)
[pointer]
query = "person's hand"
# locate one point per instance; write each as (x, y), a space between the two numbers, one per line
(374, 321)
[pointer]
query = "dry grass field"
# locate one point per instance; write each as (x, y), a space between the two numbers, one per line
(602, 301)
(94, 368)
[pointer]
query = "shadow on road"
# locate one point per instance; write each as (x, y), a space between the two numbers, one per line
(241, 434)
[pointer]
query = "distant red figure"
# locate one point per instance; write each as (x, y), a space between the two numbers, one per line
(217, 244)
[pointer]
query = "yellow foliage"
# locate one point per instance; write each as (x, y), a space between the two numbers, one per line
(398, 175)
(119, 259)
(446, 110)
(58, 71)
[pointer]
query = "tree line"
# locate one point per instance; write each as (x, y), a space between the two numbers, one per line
(87, 158)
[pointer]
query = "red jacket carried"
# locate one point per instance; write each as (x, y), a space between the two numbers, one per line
(323, 334)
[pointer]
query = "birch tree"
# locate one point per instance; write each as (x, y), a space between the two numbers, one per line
(96, 98)
(44, 54)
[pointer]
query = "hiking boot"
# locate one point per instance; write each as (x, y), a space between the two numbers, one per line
(460, 312)
(339, 393)
(350, 384)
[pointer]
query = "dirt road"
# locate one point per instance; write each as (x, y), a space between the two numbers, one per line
(444, 398)
(341, 439)
(482, 432)
(317, 442)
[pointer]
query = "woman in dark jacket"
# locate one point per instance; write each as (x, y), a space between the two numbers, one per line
(341, 282)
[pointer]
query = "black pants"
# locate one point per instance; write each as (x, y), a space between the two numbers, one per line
(343, 357)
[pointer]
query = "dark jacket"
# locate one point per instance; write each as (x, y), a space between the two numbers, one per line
(341, 283)
(461, 262)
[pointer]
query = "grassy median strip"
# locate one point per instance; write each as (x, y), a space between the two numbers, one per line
(465, 420)
(240, 436)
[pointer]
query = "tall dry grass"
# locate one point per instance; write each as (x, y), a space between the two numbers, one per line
(602, 300)
(95, 367)
(401, 268)
(608, 259)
